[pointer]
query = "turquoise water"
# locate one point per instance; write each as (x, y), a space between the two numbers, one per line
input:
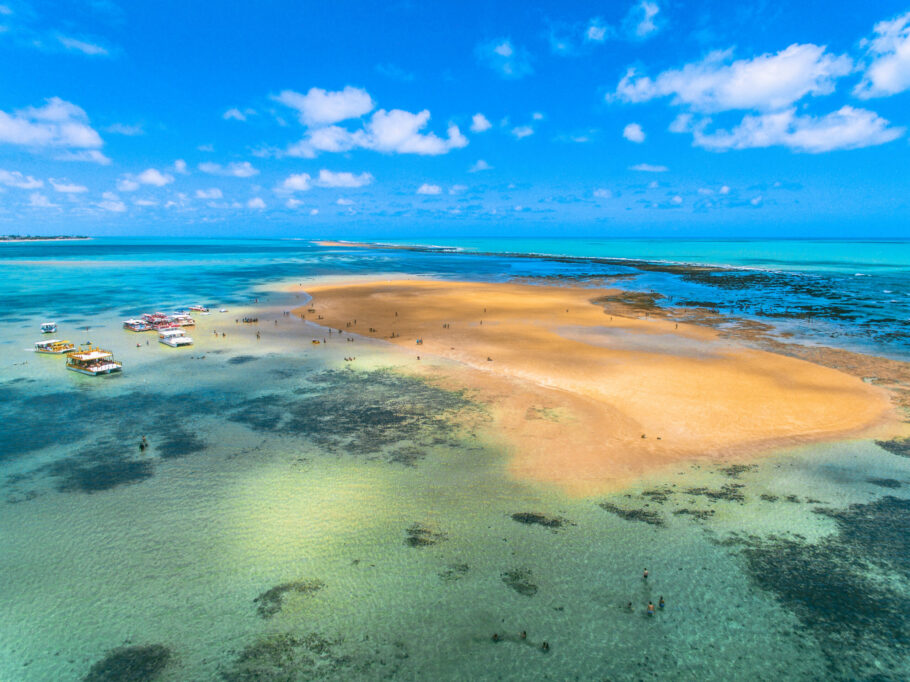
(297, 517)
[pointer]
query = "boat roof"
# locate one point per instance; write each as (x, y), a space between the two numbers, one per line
(48, 324)
(171, 332)
(49, 342)
(92, 355)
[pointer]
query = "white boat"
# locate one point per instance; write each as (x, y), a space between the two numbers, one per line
(182, 319)
(174, 338)
(199, 308)
(136, 325)
(93, 361)
(54, 347)
(48, 327)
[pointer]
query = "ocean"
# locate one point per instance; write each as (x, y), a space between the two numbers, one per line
(296, 518)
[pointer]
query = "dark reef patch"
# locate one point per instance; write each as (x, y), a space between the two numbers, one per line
(241, 359)
(377, 413)
(179, 443)
(453, 572)
(737, 470)
(644, 515)
(849, 590)
(519, 579)
(271, 601)
(419, 535)
(731, 492)
(768, 497)
(533, 518)
(130, 664)
(97, 467)
(896, 446)
(657, 495)
(884, 482)
(697, 514)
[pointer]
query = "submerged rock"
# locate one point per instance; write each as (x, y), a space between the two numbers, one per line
(519, 579)
(729, 492)
(271, 601)
(453, 572)
(896, 446)
(885, 482)
(645, 516)
(130, 664)
(419, 535)
(698, 514)
(533, 518)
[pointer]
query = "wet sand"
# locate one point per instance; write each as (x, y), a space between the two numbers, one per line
(590, 401)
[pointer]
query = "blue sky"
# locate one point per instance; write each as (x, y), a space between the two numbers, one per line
(338, 119)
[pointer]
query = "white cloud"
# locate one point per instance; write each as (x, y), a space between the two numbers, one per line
(640, 20)
(237, 169)
(597, 31)
(399, 131)
(676, 200)
(603, 193)
(888, 71)
(38, 200)
(67, 187)
(633, 133)
(479, 165)
(91, 155)
(299, 182)
(724, 190)
(256, 203)
(322, 107)
(766, 82)
(457, 189)
(344, 202)
(57, 124)
(522, 131)
(846, 128)
(293, 203)
(329, 179)
(314, 211)
(757, 200)
(111, 202)
(233, 113)
(125, 129)
(180, 167)
(211, 193)
(537, 116)
(479, 123)
(505, 58)
(429, 189)
(152, 176)
(81, 46)
(127, 184)
(649, 168)
(145, 202)
(16, 179)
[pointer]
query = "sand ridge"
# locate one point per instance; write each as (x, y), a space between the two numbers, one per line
(588, 401)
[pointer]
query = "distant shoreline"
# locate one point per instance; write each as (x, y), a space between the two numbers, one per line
(18, 238)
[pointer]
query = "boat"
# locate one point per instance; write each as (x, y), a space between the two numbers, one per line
(158, 321)
(199, 308)
(48, 327)
(182, 319)
(54, 347)
(136, 325)
(174, 337)
(92, 361)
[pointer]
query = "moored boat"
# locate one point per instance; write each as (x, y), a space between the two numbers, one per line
(199, 308)
(136, 325)
(92, 361)
(182, 319)
(174, 337)
(54, 347)
(48, 327)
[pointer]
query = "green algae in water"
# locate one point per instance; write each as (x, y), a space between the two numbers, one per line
(519, 579)
(271, 601)
(130, 664)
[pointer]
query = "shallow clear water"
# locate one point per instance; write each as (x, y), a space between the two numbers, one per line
(372, 524)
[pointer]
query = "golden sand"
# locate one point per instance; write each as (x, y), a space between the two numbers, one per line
(589, 401)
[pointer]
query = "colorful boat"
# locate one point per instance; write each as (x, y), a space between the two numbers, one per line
(137, 325)
(92, 361)
(182, 319)
(54, 347)
(48, 327)
(157, 321)
(174, 337)
(199, 308)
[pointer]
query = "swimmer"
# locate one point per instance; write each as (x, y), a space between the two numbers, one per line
(650, 609)
(495, 637)
(661, 602)
(523, 635)
(545, 646)
(645, 574)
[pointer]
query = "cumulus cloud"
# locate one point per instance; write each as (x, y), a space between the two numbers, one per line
(180, 167)
(329, 179)
(236, 169)
(57, 124)
(846, 128)
(633, 133)
(888, 69)
(296, 182)
(111, 202)
(153, 176)
(293, 203)
(429, 189)
(344, 202)
(236, 114)
(211, 193)
(38, 200)
(506, 59)
(127, 184)
(479, 165)
(640, 21)
(649, 168)
(522, 131)
(766, 82)
(322, 107)
(597, 31)
(479, 123)
(255, 202)
(19, 181)
(67, 187)
(82, 46)
(125, 129)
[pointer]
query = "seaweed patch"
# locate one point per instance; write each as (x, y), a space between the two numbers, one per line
(645, 516)
(418, 535)
(97, 467)
(533, 518)
(241, 359)
(519, 579)
(453, 572)
(896, 446)
(884, 482)
(130, 664)
(730, 492)
(697, 514)
(271, 601)
(179, 443)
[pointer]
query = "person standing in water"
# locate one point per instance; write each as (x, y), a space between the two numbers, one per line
(644, 575)
(661, 602)
(650, 609)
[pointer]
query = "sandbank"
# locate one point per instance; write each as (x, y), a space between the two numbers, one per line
(591, 401)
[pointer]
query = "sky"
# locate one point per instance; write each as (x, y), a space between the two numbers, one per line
(364, 120)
